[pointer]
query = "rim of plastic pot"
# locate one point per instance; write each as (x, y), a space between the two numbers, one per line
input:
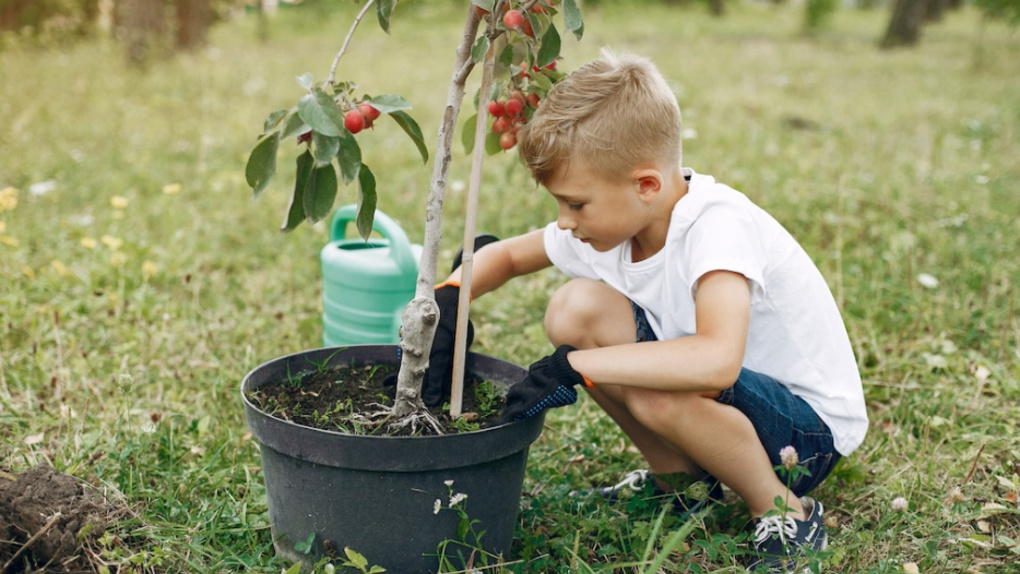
(385, 453)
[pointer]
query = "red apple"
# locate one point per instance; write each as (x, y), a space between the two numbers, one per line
(354, 121)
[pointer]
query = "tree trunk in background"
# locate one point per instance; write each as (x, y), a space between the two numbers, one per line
(142, 27)
(935, 10)
(905, 24)
(717, 7)
(193, 18)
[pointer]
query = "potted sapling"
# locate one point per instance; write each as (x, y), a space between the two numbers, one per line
(376, 482)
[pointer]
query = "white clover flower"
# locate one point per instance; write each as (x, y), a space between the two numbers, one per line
(928, 281)
(900, 504)
(788, 455)
(911, 568)
(437, 506)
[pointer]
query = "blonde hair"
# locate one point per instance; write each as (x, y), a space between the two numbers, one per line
(613, 113)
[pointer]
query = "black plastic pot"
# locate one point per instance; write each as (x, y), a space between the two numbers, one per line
(376, 494)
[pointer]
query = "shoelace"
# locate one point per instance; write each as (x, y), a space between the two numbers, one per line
(633, 480)
(784, 526)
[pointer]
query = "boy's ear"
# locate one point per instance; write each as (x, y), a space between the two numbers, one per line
(648, 182)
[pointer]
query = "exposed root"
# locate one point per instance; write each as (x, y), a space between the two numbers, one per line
(415, 421)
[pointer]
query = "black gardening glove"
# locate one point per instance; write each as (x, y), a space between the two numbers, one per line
(439, 376)
(550, 383)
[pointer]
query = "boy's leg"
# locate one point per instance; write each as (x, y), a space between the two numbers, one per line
(588, 314)
(671, 429)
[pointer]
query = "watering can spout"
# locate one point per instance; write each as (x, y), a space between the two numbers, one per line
(366, 283)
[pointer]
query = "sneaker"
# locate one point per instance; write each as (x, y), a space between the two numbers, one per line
(780, 541)
(687, 497)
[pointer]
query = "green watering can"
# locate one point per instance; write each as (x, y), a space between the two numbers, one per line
(366, 284)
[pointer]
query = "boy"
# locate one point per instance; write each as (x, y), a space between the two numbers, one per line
(694, 319)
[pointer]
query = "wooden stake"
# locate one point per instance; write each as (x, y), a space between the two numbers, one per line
(470, 223)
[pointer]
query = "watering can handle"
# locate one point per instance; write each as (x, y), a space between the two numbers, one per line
(400, 247)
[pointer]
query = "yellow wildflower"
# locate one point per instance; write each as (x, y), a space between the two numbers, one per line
(88, 243)
(3, 226)
(112, 242)
(118, 259)
(28, 272)
(8, 199)
(148, 269)
(8, 240)
(118, 202)
(61, 269)
(172, 188)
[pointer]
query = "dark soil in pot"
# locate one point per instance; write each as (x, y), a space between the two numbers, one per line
(340, 398)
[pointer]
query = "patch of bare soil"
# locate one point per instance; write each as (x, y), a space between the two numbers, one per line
(340, 398)
(49, 521)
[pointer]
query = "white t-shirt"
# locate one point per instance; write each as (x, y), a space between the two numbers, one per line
(796, 333)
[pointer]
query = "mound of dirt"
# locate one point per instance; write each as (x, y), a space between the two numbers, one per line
(48, 519)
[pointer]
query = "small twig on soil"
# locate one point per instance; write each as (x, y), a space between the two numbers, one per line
(42, 531)
(973, 465)
(8, 476)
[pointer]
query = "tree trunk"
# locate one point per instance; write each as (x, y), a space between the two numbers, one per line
(936, 9)
(193, 18)
(142, 28)
(421, 315)
(905, 23)
(717, 7)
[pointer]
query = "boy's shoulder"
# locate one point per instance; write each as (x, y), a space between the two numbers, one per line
(706, 195)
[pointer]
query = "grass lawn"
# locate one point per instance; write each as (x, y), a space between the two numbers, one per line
(139, 282)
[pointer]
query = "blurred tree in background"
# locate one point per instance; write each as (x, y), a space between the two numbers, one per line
(148, 28)
(156, 28)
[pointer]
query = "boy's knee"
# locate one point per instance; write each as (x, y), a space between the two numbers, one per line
(662, 410)
(577, 314)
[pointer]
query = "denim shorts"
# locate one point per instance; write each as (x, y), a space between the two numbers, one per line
(779, 417)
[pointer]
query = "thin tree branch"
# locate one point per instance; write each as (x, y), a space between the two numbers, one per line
(347, 40)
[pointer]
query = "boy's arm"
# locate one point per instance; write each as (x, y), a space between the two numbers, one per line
(708, 361)
(498, 262)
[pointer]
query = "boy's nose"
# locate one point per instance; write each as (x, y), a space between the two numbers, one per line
(564, 222)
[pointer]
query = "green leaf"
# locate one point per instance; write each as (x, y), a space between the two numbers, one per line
(486, 5)
(273, 120)
(492, 143)
(294, 569)
(572, 18)
(319, 111)
(296, 211)
(411, 127)
(550, 48)
(320, 192)
(389, 103)
(541, 81)
(384, 10)
(356, 559)
(349, 158)
(293, 126)
(262, 164)
(467, 134)
(324, 148)
(367, 200)
(462, 528)
(306, 80)
(506, 57)
(480, 48)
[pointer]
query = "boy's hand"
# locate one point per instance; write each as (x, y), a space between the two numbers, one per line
(550, 383)
(439, 376)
